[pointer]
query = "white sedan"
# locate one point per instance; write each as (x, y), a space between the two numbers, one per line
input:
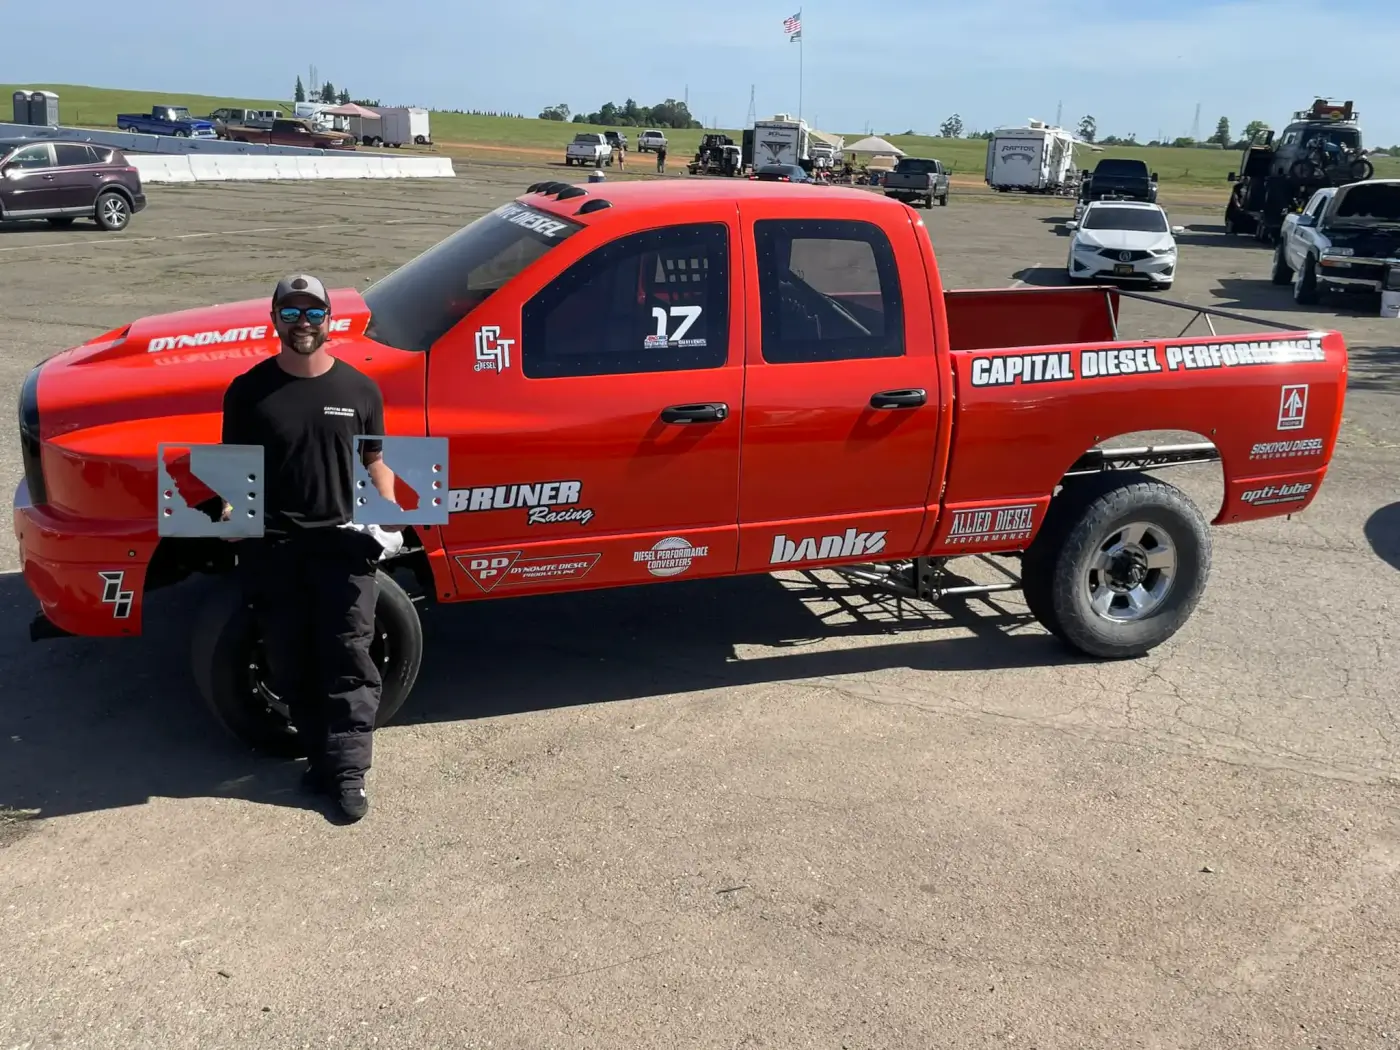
(1123, 241)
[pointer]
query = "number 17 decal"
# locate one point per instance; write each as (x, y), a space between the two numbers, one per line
(688, 314)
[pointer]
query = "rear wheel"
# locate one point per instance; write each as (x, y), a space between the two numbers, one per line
(231, 673)
(1119, 566)
(112, 212)
(1305, 283)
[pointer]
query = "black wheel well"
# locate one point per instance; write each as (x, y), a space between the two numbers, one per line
(118, 188)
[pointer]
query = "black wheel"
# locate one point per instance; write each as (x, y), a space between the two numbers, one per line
(1282, 273)
(112, 212)
(1361, 170)
(230, 671)
(1305, 283)
(943, 201)
(61, 221)
(1119, 566)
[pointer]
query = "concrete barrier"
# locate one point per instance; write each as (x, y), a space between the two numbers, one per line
(239, 168)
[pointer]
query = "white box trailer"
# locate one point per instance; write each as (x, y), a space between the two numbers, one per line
(400, 125)
(1038, 158)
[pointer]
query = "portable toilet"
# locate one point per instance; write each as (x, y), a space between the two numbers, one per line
(21, 107)
(43, 108)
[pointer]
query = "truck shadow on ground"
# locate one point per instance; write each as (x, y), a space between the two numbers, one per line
(1260, 293)
(96, 724)
(1043, 276)
(81, 228)
(1374, 368)
(1383, 534)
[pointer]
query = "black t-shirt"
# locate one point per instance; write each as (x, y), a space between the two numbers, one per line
(307, 429)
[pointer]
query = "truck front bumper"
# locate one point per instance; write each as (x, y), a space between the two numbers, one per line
(88, 576)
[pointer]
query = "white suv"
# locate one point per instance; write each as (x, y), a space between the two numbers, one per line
(1123, 241)
(650, 141)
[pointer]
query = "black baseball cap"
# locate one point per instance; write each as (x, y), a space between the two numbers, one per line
(300, 284)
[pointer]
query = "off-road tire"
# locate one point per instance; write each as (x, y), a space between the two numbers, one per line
(1088, 513)
(1282, 273)
(224, 659)
(1305, 290)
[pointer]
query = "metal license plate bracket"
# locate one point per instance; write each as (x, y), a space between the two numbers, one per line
(420, 463)
(233, 472)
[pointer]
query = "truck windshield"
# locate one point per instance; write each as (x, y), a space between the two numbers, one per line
(1141, 220)
(413, 307)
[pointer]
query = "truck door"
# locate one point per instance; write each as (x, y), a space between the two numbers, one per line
(594, 410)
(842, 402)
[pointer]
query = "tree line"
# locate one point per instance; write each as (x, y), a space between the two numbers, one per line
(668, 114)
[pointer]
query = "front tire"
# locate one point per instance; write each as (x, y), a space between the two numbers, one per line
(1305, 291)
(229, 672)
(1119, 567)
(1282, 272)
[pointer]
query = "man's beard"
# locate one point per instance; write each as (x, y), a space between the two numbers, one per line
(305, 342)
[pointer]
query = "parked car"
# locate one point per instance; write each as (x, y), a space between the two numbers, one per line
(781, 173)
(1344, 241)
(1123, 240)
(65, 181)
(589, 149)
(918, 179)
(251, 118)
(167, 120)
(651, 141)
(614, 415)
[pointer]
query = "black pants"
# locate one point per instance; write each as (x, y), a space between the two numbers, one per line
(313, 597)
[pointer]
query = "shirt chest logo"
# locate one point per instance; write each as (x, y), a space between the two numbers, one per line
(332, 410)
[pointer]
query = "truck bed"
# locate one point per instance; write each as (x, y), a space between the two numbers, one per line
(995, 318)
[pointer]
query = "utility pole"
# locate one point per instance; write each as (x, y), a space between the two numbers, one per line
(753, 109)
(1196, 125)
(1059, 112)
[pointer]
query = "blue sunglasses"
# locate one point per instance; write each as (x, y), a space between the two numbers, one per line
(292, 314)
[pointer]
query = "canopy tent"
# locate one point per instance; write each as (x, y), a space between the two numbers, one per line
(351, 109)
(836, 142)
(875, 144)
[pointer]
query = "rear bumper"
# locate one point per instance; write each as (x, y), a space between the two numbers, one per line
(87, 576)
(138, 202)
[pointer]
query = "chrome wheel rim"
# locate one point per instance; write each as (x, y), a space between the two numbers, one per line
(1131, 573)
(114, 211)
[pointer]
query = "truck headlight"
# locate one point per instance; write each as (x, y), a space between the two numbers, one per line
(1339, 253)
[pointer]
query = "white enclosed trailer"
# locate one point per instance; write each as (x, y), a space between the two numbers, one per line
(400, 125)
(1038, 158)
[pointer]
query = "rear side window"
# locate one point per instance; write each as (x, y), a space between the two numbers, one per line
(656, 301)
(413, 307)
(72, 155)
(828, 291)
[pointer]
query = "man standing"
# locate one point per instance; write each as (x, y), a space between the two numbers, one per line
(309, 579)
(660, 158)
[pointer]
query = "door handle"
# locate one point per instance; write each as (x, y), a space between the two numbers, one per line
(708, 412)
(898, 399)
(50, 178)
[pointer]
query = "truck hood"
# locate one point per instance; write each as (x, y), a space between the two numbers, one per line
(1367, 242)
(170, 365)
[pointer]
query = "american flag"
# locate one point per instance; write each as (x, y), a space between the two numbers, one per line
(793, 24)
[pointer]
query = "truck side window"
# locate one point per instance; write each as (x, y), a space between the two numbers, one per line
(828, 290)
(649, 302)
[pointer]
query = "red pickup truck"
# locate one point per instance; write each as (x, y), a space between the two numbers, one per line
(291, 131)
(664, 381)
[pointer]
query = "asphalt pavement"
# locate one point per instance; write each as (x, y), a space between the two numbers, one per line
(755, 813)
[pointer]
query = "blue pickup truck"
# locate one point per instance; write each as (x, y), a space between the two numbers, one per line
(167, 120)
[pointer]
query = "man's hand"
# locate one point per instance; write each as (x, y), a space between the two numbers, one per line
(383, 479)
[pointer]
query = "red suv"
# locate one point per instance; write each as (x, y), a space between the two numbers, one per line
(63, 181)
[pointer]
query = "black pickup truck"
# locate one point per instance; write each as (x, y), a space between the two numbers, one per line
(1118, 177)
(917, 179)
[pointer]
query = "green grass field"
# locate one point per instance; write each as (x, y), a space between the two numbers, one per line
(98, 107)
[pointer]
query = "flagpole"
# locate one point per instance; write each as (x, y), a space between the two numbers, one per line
(800, 45)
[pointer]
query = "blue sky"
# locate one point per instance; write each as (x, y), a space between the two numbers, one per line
(906, 64)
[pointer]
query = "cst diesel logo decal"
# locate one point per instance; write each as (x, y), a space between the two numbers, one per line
(509, 569)
(112, 593)
(492, 352)
(540, 498)
(1271, 495)
(1292, 406)
(1256, 352)
(1286, 449)
(849, 544)
(670, 557)
(529, 219)
(994, 523)
(1022, 368)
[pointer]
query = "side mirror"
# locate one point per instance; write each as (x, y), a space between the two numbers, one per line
(1154, 176)
(1072, 225)
(1306, 220)
(1231, 177)
(1178, 230)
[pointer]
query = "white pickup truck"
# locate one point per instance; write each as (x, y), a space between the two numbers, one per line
(589, 147)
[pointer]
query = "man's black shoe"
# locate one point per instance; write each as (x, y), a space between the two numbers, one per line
(354, 803)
